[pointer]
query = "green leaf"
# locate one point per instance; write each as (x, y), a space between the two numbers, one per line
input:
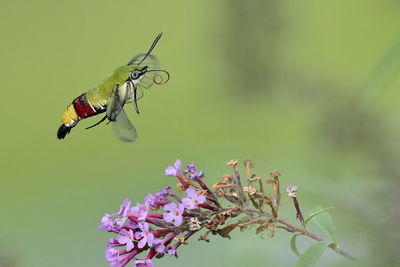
(324, 221)
(312, 254)
(293, 245)
(316, 213)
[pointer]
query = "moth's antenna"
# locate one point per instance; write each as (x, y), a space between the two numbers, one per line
(151, 47)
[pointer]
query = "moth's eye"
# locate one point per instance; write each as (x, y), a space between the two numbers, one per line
(135, 74)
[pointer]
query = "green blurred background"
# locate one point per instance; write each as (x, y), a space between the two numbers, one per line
(309, 88)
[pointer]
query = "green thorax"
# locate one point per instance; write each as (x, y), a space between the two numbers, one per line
(101, 94)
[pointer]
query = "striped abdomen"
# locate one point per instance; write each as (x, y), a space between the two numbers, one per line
(80, 109)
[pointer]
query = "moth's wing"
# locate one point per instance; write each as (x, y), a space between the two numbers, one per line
(115, 105)
(151, 61)
(147, 80)
(137, 94)
(123, 128)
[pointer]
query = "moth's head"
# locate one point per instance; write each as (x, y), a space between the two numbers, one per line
(145, 76)
(137, 73)
(145, 70)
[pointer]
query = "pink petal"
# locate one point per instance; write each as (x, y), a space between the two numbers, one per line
(129, 246)
(168, 217)
(178, 220)
(170, 206)
(191, 192)
(142, 242)
(187, 202)
(178, 165)
(181, 208)
(170, 171)
(145, 227)
(138, 235)
(201, 199)
(150, 239)
(123, 239)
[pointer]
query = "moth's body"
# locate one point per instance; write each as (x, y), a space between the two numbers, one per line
(111, 95)
(101, 94)
(98, 98)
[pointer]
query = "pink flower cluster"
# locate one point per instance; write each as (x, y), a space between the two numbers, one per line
(154, 226)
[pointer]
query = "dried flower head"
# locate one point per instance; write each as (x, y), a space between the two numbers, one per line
(275, 174)
(194, 224)
(291, 190)
(227, 178)
(232, 163)
(249, 189)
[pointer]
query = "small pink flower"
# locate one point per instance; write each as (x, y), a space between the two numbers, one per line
(126, 238)
(173, 212)
(174, 170)
(193, 199)
(145, 236)
(124, 208)
(191, 169)
(159, 246)
(140, 211)
(112, 254)
(109, 225)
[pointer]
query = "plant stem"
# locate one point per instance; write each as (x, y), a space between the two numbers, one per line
(239, 185)
(303, 231)
(293, 228)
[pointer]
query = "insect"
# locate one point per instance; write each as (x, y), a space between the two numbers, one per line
(124, 85)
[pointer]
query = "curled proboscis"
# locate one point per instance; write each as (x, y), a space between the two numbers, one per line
(158, 78)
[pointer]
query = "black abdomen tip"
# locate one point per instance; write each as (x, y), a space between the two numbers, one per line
(63, 131)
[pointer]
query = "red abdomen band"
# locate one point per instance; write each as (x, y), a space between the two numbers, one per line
(84, 109)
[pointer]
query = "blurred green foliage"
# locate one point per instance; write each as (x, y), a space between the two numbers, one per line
(306, 87)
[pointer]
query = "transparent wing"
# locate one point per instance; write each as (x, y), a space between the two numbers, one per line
(139, 93)
(158, 77)
(115, 105)
(151, 61)
(148, 80)
(123, 128)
